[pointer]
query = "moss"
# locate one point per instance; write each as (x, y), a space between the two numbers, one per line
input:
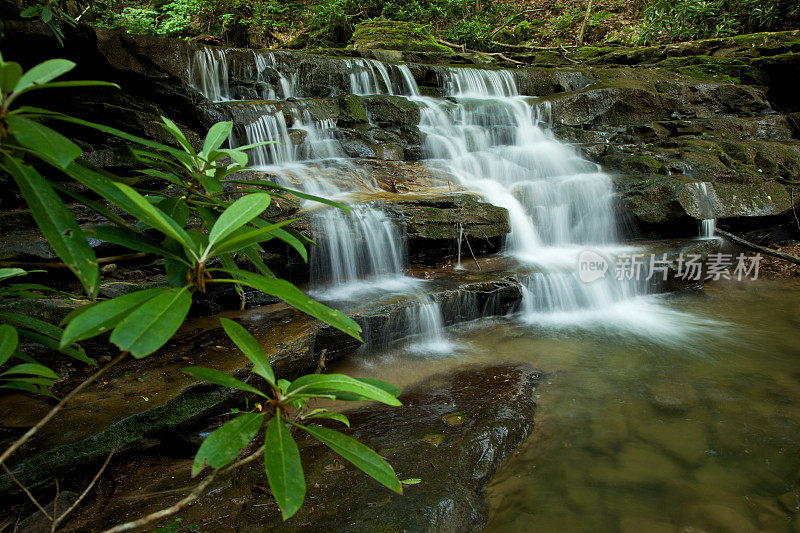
(354, 109)
(720, 69)
(178, 410)
(391, 35)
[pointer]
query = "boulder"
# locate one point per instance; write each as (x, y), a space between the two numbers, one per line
(394, 35)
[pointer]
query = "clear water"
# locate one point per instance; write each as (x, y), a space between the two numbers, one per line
(694, 424)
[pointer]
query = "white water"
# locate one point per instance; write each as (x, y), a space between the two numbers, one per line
(497, 144)
(707, 225)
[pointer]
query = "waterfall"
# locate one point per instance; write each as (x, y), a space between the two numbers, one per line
(497, 144)
(709, 224)
(210, 72)
(426, 328)
(368, 76)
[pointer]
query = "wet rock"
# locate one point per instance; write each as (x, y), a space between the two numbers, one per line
(686, 442)
(609, 428)
(637, 464)
(790, 501)
(719, 518)
(673, 396)
(640, 524)
(495, 409)
(38, 522)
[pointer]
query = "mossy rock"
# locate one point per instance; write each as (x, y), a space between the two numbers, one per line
(391, 35)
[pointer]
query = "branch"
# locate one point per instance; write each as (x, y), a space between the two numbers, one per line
(196, 492)
(20, 441)
(27, 492)
(86, 490)
(507, 22)
(583, 24)
(758, 248)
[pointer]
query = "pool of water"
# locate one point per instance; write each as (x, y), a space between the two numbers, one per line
(676, 413)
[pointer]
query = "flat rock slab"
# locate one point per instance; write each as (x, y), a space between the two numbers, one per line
(452, 432)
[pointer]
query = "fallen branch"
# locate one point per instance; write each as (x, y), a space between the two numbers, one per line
(466, 239)
(507, 22)
(193, 495)
(759, 248)
(462, 47)
(32, 431)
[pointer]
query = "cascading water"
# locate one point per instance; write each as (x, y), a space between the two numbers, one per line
(495, 143)
(707, 225)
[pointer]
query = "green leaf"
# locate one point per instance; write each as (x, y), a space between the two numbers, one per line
(250, 347)
(220, 378)
(411, 481)
(351, 397)
(127, 199)
(10, 74)
(360, 455)
(296, 298)
(335, 383)
(56, 223)
(44, 72)
(226, 443)
(283, 466)
(104, 316)
(47, 14)
(339, 417)
(240, 240)
(152, 324)
(130, 239)
(236, 154)
(176, 132)
(237, 215)
(32, 369)
(40, 138)
(30, 11)
(305, 196)
(176, 209)
(6, 273)
(29, 322)
(217, 134)
(76, 353)
(9, 339)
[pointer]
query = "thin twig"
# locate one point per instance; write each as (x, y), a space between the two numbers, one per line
(55, 507)
(198, 490)
(794, 210)
(507, 22)
(27, 492)
(20, 441)
(466, 239)
(85, 491)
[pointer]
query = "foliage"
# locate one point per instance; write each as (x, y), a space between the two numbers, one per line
(52, 14)
(683, 20)
(281, 455)
(204, 226)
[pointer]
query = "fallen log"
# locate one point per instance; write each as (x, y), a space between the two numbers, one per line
(757, 248)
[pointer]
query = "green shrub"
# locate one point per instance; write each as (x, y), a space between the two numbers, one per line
(683, 20)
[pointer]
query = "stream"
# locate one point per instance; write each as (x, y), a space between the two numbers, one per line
(697, 421)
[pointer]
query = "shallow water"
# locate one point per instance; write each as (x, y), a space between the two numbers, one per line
(668, 413)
